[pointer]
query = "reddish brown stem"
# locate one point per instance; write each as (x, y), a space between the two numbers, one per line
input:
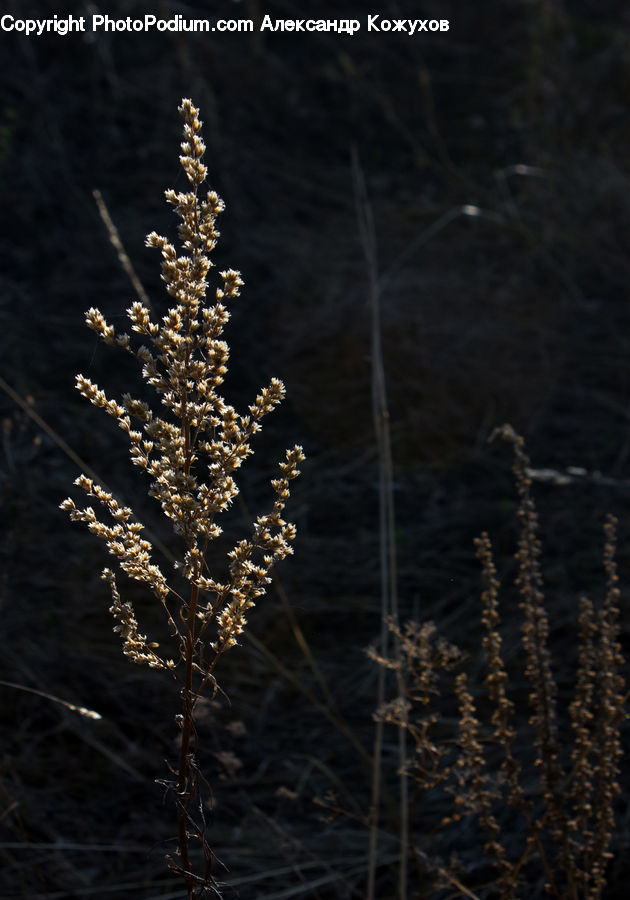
(184, 789)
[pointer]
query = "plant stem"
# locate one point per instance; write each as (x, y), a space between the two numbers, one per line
(184, 789)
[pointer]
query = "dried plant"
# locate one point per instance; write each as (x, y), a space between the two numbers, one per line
(569, 819)
(190, 454)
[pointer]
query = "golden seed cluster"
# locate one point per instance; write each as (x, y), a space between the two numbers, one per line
(192, 450)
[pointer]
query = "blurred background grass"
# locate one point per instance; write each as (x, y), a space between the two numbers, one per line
(518, 313)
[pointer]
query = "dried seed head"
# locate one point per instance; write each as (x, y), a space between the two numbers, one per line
(192, 450)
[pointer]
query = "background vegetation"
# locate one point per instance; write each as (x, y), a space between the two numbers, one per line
(518, 313)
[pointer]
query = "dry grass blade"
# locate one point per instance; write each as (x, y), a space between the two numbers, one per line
(387, 536)
(82, 710)
(118, 245)
(46, 428)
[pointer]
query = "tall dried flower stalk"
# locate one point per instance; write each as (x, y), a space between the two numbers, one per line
(535, 635)
(610, 686)
(190, 454)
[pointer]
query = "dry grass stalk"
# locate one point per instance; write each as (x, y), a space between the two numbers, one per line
(387, 545)
(568, 822)
(190, 455)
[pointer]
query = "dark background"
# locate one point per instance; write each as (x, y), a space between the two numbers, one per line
(518, 314)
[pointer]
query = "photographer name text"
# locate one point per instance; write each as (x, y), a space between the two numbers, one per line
(63, 25)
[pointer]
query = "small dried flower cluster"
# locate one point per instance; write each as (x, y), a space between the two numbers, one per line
(191, 454)
(425, 657)
(475, 793)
